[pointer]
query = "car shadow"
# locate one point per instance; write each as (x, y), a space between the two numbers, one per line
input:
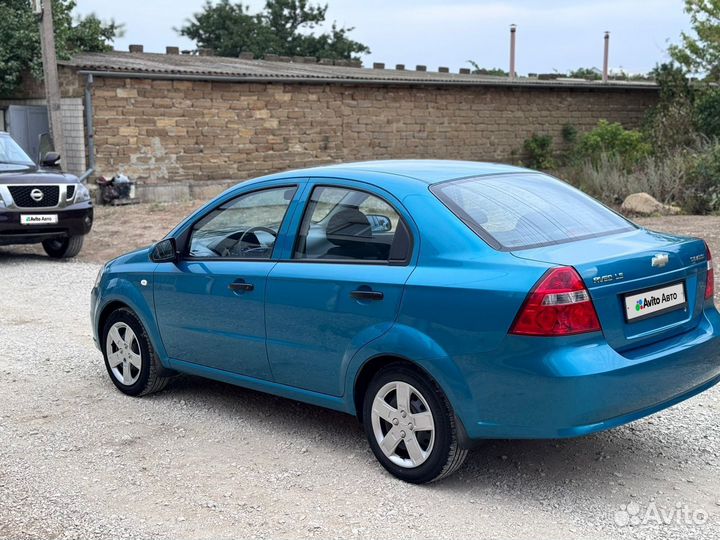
(256, 407)
(8, 254)
(608, 458)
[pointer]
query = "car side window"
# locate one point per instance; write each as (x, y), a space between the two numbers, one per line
(243, 228)
(350, 225)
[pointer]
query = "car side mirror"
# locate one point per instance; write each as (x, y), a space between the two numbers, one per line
(379, 223)
(164, 251)
(51, 159)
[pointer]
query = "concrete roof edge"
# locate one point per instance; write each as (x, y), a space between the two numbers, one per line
(517, 83)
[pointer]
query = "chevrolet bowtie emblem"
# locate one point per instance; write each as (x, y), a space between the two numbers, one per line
(660, 260)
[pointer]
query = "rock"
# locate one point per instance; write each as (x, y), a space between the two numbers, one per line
(644, 204)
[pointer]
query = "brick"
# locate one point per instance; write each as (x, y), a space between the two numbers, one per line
(126, 92)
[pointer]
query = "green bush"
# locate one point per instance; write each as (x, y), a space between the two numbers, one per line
(610, 181)
(701, 192)
(670, 124)
(707, 113)
(611, 139)
(688, 177)
(538, 150)
(569, 134)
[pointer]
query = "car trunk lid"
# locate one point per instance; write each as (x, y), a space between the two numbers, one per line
(636, 280)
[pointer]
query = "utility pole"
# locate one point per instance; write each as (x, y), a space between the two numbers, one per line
(43, 8)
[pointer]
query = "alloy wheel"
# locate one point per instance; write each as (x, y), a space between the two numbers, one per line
(403, 424)
(123, 353)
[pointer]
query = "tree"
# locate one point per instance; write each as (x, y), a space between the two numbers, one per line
(590, 74)
(670, 124)
(283, 27)
(700, 53)
(20, 38)
(477, 70)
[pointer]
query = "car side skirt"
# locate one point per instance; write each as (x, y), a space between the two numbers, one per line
(306, 396)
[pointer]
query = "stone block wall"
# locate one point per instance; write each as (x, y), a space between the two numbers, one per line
(165, 131)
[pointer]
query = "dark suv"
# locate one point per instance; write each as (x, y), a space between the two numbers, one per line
(41, 203)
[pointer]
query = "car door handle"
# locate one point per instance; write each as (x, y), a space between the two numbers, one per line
(240, 286)
(365, 294)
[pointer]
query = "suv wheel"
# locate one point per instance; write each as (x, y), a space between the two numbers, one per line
(130, 359)
(63, 248)
(410, 426)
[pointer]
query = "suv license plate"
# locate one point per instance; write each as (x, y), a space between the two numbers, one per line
(654, 302)
(38, 219)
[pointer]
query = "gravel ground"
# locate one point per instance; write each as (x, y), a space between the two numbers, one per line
(207, 460)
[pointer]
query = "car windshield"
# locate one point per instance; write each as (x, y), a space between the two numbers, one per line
(520, 211)
(12, 154)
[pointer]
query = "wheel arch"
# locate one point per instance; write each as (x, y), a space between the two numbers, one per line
(369, 369)
(107, 309)
(410, 346)
(124, 295)
(115, 304)
(375, 364)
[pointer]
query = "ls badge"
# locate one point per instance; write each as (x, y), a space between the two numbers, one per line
(608, 278)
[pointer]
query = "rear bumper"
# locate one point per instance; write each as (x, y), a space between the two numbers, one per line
(586, 386)
(73, 220)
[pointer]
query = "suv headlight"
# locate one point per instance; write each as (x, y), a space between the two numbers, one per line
(82, 193)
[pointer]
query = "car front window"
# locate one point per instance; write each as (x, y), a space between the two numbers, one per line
(12, 154)
(243, 228)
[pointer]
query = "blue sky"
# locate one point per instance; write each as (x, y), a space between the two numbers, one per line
(552, 34)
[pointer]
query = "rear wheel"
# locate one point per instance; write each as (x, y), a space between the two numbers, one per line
(410, 426)
(63, 248)
(130, 359)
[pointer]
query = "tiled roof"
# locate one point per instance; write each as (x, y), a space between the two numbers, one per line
(156, 65)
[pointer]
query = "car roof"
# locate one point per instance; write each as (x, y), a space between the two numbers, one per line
(403, 175)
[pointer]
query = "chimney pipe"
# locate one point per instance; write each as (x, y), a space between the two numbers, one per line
(513, 30)
(135, 48)
(606, 57)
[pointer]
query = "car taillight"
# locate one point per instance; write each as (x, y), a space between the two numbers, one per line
(710, 284)
(559, 305)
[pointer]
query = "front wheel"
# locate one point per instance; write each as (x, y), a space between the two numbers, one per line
(130, 360)
(410, 426)
(63, 248)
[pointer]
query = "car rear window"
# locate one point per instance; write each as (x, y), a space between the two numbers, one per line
(520, 211)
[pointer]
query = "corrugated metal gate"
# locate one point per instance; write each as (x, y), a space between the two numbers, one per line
(26, 123)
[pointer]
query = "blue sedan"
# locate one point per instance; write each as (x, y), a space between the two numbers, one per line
(440, 302)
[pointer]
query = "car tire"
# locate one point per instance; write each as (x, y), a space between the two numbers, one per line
(63, 248)
(408, 450)
(130, 360)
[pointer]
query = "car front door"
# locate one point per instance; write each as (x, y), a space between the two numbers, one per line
(210, 305)
(339, 287)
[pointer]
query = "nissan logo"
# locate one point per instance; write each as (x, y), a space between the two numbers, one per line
(37, 195)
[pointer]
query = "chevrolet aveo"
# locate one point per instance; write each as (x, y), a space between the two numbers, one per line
(440, 302)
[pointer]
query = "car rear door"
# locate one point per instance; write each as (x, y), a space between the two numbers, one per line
(340, 285)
